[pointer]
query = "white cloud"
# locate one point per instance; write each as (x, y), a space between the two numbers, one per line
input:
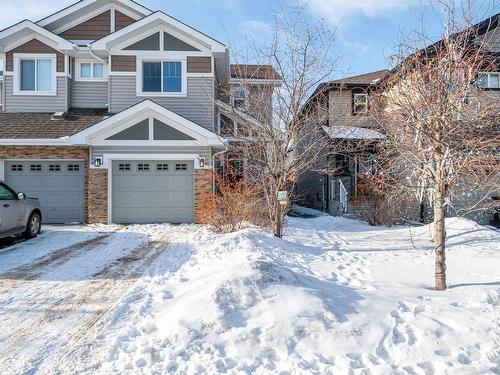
(13, 11)
(338, 10)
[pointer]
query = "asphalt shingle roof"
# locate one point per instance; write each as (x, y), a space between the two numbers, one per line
(41, 125)
(362, 79)
(244, 71)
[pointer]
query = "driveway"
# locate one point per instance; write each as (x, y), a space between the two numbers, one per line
(54, 289)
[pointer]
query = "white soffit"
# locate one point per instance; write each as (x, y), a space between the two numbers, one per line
(88, 6)
(23, 31)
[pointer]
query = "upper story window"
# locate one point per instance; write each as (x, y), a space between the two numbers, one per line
(489, 80)
(163, 78)
(360, 104)
(226, 126)
(35, 74)
(91, 71)
(240, 98)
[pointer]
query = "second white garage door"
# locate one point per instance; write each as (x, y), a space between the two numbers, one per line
(149, 191)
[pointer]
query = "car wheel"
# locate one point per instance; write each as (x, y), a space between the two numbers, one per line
(34, 226)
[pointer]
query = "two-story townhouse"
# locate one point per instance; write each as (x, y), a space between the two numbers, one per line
(349, 131)
(109, 113)
(347, 102)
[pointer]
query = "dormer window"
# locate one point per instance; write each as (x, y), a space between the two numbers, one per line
(360, 104)
(489, 80)
(35, 74)
(240, 98)
(90, 71)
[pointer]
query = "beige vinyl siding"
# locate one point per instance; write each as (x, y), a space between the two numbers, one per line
(40, 104)
(197, 107)
(89, 94)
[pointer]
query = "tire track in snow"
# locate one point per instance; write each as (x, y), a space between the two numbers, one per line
(104, 289)
(29, 272)
(88, 354)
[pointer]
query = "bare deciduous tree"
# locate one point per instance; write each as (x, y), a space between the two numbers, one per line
(274, 135)
(442, 128)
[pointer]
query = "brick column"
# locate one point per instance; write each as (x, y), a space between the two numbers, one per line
(202, 186)
(98, 196)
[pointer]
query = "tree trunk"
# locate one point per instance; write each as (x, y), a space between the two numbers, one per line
(440, 240)
(278, 221)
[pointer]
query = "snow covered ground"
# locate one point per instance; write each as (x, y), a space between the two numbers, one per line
(335, 296)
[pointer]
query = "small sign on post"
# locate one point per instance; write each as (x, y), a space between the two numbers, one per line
(282, 197)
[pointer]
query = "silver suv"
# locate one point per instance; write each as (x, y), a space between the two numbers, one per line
(18, 214)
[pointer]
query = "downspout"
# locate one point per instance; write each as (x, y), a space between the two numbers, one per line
(95, 56)
(109, 70)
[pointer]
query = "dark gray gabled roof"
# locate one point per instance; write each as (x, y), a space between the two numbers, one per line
(361, 79)
(254, 71)
(42, 126)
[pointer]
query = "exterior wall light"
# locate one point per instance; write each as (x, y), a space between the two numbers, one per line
(97, 162)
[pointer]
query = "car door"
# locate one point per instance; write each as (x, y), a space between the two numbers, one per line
(11, 210)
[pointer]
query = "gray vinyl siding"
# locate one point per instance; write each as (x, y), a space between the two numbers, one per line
(68, 92)
(40, 104)
(205, 152)
(309, 189)
(492, 39)
(89, 94)
(198, 106)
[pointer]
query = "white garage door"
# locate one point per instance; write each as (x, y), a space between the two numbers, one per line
(58, 184)
(149, 191)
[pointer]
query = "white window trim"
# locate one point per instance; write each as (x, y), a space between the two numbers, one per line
(488, 75)
(78, 68)
(366, 103)
(139, 80)
(17, 74)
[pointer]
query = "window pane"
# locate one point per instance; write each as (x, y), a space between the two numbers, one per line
(85, 70)
(43, 75)
(98, 70)
(172, 76)
(494, 81)
(151, 77)
(28, 75)
(6, 194)
(482, 81)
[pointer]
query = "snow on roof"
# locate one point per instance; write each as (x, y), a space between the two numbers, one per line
(352, 132)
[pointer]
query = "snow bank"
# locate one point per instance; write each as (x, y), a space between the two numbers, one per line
(335, 296)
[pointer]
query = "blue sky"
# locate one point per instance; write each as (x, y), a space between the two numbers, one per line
(367, 30)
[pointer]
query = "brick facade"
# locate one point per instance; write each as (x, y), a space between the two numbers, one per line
(202, 185)
(97, 196)
(50, 152)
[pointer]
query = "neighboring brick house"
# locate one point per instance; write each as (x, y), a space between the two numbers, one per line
(108, 113)
(347, 102)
